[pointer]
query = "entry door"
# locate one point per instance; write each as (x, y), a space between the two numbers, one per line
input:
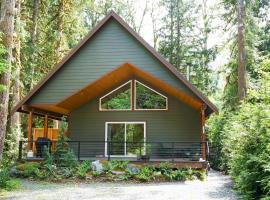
(124, 138)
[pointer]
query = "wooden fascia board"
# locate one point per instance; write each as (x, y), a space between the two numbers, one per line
(127, 71)
(41, 112)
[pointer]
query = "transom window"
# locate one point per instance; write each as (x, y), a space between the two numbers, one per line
(121, 98)
(147, 98)
(118, 99)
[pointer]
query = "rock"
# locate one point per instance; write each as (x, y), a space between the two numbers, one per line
(97, 166)
(118, 172)
(132, 169)
(13, 171)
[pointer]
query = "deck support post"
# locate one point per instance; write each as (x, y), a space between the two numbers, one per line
(203, 145)
(46, 126)
(30, 133)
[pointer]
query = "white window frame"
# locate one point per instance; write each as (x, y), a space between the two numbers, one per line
(131, 97)
(128, 122)
(135, 97)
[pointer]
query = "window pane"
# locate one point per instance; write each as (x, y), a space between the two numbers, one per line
(149, 99)
(116, 135)
(118, 99)
(135, 138)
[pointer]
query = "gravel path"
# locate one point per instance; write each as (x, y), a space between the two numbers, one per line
(216, 187)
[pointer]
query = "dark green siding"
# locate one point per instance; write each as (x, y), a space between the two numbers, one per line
(179, 123)
(109, 48)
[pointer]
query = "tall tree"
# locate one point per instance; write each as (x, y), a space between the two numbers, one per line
(7, 31)
(241, 51)
(15, 120)
(184, 39)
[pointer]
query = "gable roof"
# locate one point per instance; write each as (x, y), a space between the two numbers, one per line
(210, 106)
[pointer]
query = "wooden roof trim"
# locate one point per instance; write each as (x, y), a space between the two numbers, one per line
(139, 39)
(131, 72)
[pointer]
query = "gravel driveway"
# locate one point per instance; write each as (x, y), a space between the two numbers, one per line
(217, 186)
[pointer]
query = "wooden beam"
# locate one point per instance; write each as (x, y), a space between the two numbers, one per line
(46, 126)
(203, 145)
(133, 95)
(41, 112)
(30, 133)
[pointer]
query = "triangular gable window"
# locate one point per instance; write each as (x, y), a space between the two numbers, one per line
(118, 99)
(145, 98)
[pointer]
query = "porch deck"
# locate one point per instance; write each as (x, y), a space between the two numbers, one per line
(180, 154)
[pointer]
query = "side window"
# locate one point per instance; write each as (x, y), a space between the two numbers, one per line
(147, 98)
(118, 99)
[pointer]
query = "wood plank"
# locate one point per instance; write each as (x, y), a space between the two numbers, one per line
(202, 120)
(30, 134)
(46, 126)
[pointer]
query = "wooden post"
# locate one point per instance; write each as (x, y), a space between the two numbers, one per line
(133, 95)
(46, 126)
(30, 133)
(203, 146)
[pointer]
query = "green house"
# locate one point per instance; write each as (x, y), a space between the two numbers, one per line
(122, 100)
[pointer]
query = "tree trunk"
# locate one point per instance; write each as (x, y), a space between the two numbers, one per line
(171, 32)
(178, 36)
(15, 119)
(34, 38)
(60, 24)
(241, 51)
(7, 29)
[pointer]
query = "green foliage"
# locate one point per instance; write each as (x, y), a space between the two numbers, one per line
(96, 174)
(184, 38)
(82, 169)
(63, 155)
(164, 168)
(146, 173)
(28, 170)
(119, 164)
(241, 139)
(6, 182)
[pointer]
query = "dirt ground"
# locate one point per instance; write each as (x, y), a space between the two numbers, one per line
(216, 187)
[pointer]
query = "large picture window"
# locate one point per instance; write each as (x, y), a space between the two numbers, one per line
(124, 138)
(147, 98)
(118, 99)
(121, 98)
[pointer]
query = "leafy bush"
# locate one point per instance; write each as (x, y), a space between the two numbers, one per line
(29, 169)
(119, 164)
(82, 169)
(146, 173)
(164, 168)
(6, 182)
(242, 137)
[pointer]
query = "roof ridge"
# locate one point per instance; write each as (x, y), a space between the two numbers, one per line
(138, 38)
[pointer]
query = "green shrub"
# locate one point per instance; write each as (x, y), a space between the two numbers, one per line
(165, 168)
(63, 155)
(118, 164)
(96, 174)
(82, 169)
(146, 173)
(6, 182)
(12, 184)
(29, 169)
